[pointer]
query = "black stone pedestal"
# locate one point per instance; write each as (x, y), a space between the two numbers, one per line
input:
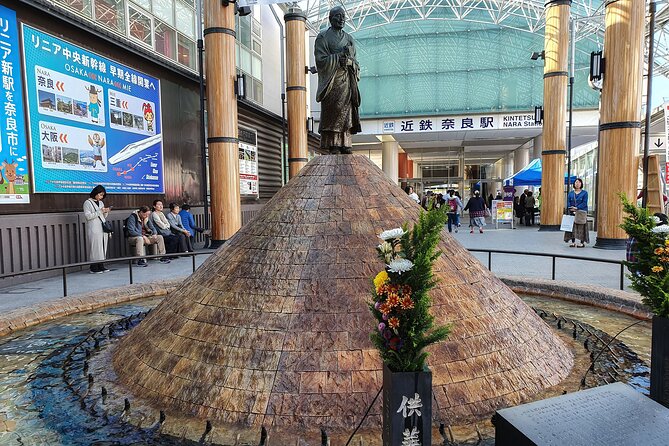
(659, 361)
(403, 392)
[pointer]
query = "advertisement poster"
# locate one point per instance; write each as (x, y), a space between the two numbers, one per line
(504, 212)
(248, 162)
(14, 174)
(92, 120)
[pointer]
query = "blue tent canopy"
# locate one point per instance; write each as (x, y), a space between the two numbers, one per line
(531, 175)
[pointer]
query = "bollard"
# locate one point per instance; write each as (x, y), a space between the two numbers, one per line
(263, 437)
(207, 430)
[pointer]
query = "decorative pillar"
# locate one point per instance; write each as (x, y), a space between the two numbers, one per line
(389, 159)
(509, 164)
(403, 165)
(462, 171)
(537, 146)
(219, 36)
(556, 46)
(521, 158)
(296, 90)
(620, 121)
(410, 169)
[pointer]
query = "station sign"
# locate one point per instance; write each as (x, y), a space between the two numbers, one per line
(460, 123)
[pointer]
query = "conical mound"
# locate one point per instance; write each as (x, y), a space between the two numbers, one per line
(274, 327)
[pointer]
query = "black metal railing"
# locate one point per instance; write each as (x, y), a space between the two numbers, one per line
(490, 252)
(129, 260)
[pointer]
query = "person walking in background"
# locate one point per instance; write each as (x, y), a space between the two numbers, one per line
(97, 239)
(457, 214)
(477, 207)
(577, 205)
(529, 208)
(453, 206)
(428, 200)
(516, 208)
(521, 206)
(413, 195)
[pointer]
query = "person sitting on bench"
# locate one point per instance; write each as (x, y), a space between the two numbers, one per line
(141, 232)
(175, 242)
(177, 226)
(188, 222)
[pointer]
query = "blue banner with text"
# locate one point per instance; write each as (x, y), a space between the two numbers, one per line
(92, 120)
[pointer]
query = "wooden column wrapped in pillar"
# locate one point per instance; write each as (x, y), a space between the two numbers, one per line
(296, 90)
(403, 165)
(219, 37)
(620, 122)
(556, 46)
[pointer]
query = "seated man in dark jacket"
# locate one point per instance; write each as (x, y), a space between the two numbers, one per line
(141, 232)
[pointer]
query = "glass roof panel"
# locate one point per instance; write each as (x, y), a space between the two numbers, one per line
(440, 56)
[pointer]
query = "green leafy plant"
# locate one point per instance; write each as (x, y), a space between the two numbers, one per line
(650, 268)
(401, 301)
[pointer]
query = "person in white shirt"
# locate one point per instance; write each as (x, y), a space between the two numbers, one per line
(413, 195)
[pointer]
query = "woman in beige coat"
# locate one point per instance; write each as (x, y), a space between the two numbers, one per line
(97, 240)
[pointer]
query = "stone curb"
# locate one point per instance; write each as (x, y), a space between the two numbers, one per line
(615, 300)
(27, 317)
(596, 296)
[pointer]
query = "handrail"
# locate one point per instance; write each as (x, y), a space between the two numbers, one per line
(553, 256)
(490, 252)
(64, 268)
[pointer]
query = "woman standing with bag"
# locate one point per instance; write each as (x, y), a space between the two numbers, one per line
(98, 229)
(577, 204)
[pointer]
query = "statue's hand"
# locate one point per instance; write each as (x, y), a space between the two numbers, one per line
(343, 60)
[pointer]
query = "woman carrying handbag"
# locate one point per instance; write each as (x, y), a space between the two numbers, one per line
(98, 229)
(577, 204)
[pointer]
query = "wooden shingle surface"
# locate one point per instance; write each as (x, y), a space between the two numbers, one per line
(274, 327)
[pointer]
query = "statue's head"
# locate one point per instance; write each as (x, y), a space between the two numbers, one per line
(337, 17)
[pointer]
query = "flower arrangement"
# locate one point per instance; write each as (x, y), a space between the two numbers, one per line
(650, 268)
(401, 300)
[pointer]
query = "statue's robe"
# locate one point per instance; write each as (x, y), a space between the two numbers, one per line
(337, 89)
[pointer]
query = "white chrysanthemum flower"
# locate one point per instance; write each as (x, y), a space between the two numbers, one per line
(400, 266)
(385, 248)
(656, 219)
(392, 234)
(664, 229)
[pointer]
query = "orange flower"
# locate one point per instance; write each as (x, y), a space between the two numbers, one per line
(406, 290)
(659, 251)
(393, 322)
(657, 269)
(406, 303)
(393, 300)
(385, 308)
(664, 259)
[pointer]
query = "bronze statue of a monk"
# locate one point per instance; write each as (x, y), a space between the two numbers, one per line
(338, 76)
